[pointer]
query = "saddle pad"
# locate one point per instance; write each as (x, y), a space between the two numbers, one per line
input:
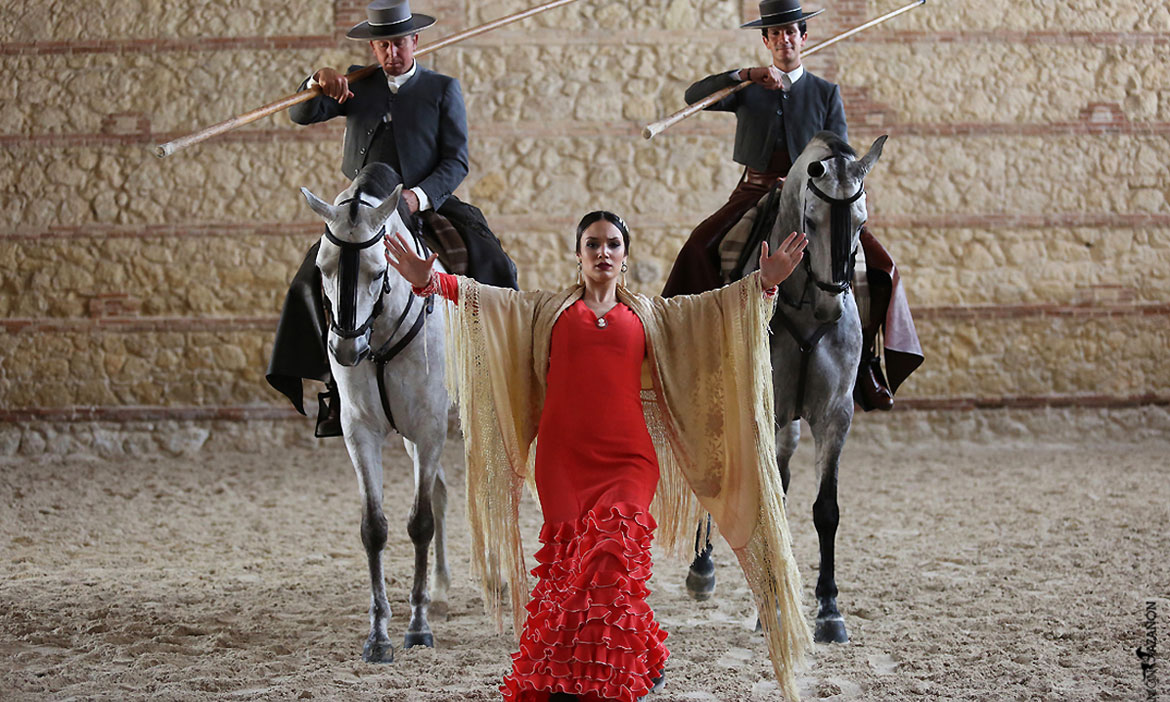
(440, 235)
(731, 248)
(731, 253)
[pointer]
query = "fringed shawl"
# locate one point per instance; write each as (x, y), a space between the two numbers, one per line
(708, 400)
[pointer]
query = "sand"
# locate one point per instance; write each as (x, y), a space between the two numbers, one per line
(968, 571)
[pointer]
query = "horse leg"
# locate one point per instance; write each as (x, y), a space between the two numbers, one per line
(366, 454)
(442, 581)
(420, 525)
(787, 438)
(830, 625)
(701, 576)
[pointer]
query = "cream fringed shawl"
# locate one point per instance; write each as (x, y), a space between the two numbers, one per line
(709, 410)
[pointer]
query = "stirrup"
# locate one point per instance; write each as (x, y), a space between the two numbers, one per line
(328, 419)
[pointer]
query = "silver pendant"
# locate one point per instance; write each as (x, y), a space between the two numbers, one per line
(601, 323)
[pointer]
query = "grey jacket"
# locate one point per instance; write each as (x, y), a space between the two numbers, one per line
(430, 128)
(813, 104)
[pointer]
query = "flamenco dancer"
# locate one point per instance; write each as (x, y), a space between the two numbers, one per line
(566, 368)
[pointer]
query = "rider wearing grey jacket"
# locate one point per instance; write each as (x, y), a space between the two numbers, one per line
(413, 120)
(776, 117)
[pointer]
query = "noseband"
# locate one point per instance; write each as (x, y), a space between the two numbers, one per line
(840, 236)
(347, 274)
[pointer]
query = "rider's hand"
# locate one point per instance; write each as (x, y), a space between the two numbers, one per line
(411, 200)
(333, 84)
(402, 258)
(776, 268)
(766, 76)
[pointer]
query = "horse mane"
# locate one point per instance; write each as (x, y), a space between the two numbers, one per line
(376, 180)
(835, 144)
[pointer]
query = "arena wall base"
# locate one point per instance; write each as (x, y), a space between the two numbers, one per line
(186, 437)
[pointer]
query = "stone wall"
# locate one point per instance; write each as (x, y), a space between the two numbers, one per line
(1023, 190)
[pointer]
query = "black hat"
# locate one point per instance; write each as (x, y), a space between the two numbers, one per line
(777, 13)
(389, 19)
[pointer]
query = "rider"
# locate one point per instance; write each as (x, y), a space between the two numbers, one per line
(776, 117)
(412, 119)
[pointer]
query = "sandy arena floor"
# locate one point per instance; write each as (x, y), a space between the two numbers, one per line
(967, 572)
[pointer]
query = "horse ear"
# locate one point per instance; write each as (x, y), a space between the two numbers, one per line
(328, 212)
(383, 211)
(875, 152)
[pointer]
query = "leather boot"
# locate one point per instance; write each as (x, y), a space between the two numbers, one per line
(328, 412)
(870, 391)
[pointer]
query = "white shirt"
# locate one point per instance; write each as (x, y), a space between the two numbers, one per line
(395, 84)
(787, 78)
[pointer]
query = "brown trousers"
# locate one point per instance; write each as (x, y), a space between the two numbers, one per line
(696, 269)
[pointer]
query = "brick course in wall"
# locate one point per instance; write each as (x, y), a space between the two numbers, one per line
(1024, 189)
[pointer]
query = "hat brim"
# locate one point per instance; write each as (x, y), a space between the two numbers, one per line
(760, 23)
(417, 23)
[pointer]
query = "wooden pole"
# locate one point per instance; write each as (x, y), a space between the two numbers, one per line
(654, 128)
(164, 150)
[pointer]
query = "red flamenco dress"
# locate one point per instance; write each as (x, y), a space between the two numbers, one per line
(589, 631)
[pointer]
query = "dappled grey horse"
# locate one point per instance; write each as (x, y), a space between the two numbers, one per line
(816, 340)
(386, 354)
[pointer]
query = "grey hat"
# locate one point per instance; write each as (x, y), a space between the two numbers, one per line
(390, 19)
(777, 13)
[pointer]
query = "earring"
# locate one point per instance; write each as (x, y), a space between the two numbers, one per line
(624, 268)
(578, 273)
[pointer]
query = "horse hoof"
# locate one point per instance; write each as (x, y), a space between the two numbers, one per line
(701, 586)
(424, 638)
(438, 610)
(830, 630)
(378, 652)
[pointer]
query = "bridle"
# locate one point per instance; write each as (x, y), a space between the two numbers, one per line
(347, 280)
(842, 266)
(840, 237)
(347, 274)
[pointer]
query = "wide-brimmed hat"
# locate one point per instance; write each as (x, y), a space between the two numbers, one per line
(777, 13)
(390, 19)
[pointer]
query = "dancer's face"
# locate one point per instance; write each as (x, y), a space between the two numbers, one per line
(601, 251)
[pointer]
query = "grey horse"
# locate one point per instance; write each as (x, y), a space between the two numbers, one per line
(386, 354)
(816, 341)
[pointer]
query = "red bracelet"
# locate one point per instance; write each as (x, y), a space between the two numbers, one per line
(431, 288)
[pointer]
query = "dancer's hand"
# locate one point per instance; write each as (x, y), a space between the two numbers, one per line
(776, 268)
(402, 258)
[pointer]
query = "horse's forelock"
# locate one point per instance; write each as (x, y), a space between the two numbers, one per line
(355, 207)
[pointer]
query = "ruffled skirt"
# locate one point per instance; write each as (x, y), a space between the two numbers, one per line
(589, 631)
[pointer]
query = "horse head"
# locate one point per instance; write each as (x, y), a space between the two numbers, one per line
(354, 274)
(824, 197)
